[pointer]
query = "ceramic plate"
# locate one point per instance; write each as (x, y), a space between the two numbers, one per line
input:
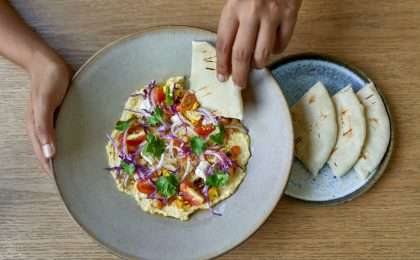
(90, 110)
(296, 75)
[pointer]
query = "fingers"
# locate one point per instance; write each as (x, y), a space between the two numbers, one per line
(243, 51)
(43, 118)
(265, 43)
(284, 32)
(226, 32)
(30, 126)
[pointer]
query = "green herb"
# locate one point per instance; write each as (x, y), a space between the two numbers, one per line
(167, 185)
(154, 146)
(198, 145)
(157, 117)
(128, 168)
(124, 125)
(169, 98)
(219, 136)
(218, 179)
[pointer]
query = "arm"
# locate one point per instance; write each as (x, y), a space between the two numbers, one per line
(50, 77)
(249, 31)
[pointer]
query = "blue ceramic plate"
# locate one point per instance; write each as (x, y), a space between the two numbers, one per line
(295, 75)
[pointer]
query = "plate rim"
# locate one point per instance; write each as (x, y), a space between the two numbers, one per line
(383, 165)
(131, 36)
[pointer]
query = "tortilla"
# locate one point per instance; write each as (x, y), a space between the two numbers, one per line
(177, 205)
(222, 98)
(351, 131)
(378, 131)
(315, 126)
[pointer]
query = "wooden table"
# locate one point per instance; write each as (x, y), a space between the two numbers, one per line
(380, 37)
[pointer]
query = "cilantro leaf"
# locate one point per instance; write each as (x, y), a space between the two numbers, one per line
(157, 117)
(154, 146)
(219, 136)
(124, 125)
(198, 145)
(218, 179)
(167, 185)
(128, 168)
(169, 99)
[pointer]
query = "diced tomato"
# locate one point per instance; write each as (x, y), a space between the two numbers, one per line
(204, 130)
(191, 195)
(235, 151)
(135, 142)
(145, 187)
(158, 95)
(187, 102)
(134, 130)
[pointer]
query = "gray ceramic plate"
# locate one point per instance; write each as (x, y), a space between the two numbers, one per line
(92, 106)
(296, 74)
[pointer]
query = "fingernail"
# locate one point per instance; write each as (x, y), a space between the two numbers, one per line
(221, 77)
(48, 150)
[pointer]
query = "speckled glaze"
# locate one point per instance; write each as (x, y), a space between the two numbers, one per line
(90, 110)
(295, 75)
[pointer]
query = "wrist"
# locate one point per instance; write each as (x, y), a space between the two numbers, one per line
(47, 62)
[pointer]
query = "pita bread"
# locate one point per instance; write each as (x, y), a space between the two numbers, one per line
(378, 131)
(224, 99)
(351, 131)
(315, 126)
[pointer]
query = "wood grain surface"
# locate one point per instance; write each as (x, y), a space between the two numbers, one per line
(380, 37)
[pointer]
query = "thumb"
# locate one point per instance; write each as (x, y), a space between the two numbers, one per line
(44, 127)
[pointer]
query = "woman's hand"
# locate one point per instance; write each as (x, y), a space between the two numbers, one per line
(50, 78)
(249, 31)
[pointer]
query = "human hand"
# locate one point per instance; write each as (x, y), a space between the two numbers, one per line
(249, 31)
(50, 78)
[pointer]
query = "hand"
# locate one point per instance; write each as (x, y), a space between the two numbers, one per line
(50, 78)
(249, 30)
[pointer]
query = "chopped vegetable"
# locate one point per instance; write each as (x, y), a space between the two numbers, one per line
(158, 95)
(145, 187)
(204, 130)
(213, 193)
(169, 96)
(167, 185)
(219, 135)
(154, 146)
(157, 117)
(124, 125)
(198, 145)
(218, 179)
(128, 168)
(191, 195)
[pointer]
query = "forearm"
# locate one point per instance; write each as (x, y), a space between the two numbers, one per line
(20, 44)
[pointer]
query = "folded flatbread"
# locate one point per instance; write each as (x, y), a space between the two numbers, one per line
(223, 99)
(378, 131)
(351, 131)
(315, 127)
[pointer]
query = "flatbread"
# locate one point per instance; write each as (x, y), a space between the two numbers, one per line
(234, 138)
(315, 126)
(223, 99)
(378, 131)
(351, 131)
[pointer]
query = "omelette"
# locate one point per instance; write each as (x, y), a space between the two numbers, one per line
(174, 156)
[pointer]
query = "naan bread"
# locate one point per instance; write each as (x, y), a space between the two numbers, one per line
(224, 99)
(315, 126)
(351, 131)
(378, 131)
